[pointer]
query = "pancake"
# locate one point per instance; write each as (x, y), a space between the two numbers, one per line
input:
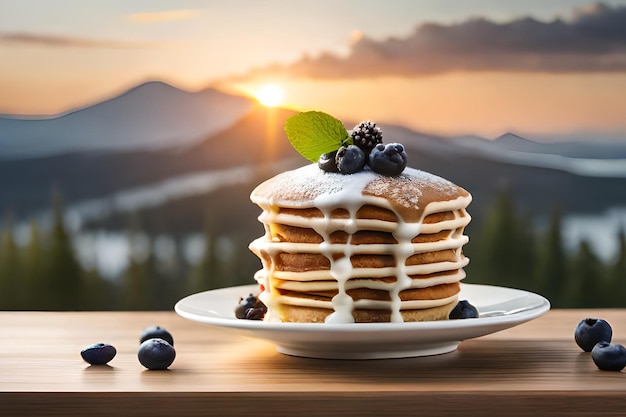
(361, 247)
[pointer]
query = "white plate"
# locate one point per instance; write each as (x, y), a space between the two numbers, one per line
(500, 308)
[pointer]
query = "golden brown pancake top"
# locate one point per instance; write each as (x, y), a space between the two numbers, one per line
(408, 194)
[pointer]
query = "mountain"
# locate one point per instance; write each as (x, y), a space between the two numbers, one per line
(512, 142)
(26, 184)
(150, 116)
(254, 146)
(594, 159)
(234, 159)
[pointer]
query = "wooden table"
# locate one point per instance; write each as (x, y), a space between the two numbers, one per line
(533, 369)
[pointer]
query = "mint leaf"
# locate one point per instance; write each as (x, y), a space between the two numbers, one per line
(314, 133)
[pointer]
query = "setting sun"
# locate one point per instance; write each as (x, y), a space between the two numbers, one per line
(270, 95)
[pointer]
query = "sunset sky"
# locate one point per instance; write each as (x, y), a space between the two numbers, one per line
(549, 69)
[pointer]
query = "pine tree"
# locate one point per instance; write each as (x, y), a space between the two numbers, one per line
(136, 279)
(9, 271)
(501, 251)
(242, 264)
(586, 286)
(99, 293)
(34, 272)
(64, 286)
(551, 263)
(617, 274)
(171, 273)
(136, 292)
(203, 276)
(526, 242)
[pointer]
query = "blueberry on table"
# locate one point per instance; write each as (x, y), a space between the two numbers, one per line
(156, 332)
(608, 356)
(389, 160)
(463, 310)
(98, 353)
(591, 331)
(156, 354)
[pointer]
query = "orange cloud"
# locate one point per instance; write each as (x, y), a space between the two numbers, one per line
(42, 39)
(164, 16)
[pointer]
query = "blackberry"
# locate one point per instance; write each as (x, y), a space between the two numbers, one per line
(366, 135)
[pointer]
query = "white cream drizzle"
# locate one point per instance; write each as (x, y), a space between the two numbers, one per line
(342, 276)
(362, 277)
(364, 304)
(354, 283)
(341, 268)
(362, 249)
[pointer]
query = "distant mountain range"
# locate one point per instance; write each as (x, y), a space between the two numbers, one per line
(156, 138)
(592, 149)
(151, 115)
(594, 159)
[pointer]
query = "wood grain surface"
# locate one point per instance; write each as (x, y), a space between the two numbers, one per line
(532, 369)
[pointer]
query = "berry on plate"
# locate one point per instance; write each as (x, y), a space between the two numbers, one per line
(463, 310)
(389, 160)
(250, 308)
(350, 159)
(366, 135)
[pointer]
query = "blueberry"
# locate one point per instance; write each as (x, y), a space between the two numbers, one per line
(327, 162)
(389, 160)
(156, 332)
(350, 159)
(463, 310)
(156, 354)
(591, 331)
(250, 308)
(256, 313)
(98, 354)
(608, 356)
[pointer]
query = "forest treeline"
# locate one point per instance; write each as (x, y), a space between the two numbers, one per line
(507, 249)
(45, 273)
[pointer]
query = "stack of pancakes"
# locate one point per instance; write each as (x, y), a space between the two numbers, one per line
(361, 247)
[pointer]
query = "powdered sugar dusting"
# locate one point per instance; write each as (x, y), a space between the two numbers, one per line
(412, 191)
(300, 187)
(409, 193)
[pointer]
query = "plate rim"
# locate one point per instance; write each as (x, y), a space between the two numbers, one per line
(535, 311)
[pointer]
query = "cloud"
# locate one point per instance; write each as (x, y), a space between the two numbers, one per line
(164, 16)
(593, 40)
(26, 38)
